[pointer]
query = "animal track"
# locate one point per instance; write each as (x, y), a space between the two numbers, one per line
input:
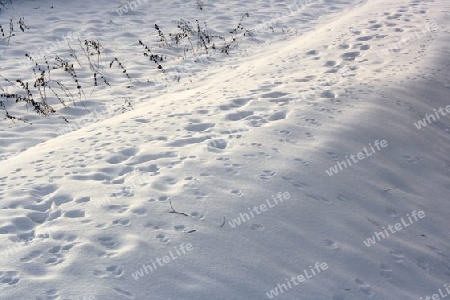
(197, 215)
(300, 185)
(333, 156)
(8, 278)
(236, 103)
(119, 208)
(77, 213)
(83, 200)
(391, 212)
(331, 244)
(447, 270)
(302, 162)
(36, 254)
(199, 127)
(351, 56)
(397, 256)
(162, 238)
(142, 212)
(364, 38)
(411, 159)
(111, 271)
(54, 260)
(122, 222)
(319, 198)
(220, 144)
(366, 289)
(180, 228)
(343, 198)
(267, 174)
(284, 132)
(124, 293)
(237, 193)
(424, 264)
(309, 135)
(108, 241)
(278, 116)
(239, 115)
(386, 271)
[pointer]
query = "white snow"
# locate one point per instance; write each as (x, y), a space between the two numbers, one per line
(138, 196)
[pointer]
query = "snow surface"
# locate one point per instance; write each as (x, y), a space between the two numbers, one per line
(85, 205)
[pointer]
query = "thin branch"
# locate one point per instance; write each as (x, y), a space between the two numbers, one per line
(176, 212)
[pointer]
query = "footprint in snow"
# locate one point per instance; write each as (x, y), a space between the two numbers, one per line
(365, 288)
(267, 174)
(257, 227)
(331, 244)
(385, 271)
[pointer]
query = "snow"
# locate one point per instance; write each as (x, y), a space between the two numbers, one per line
(138, 196)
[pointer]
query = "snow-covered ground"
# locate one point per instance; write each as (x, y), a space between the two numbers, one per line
(311, 162)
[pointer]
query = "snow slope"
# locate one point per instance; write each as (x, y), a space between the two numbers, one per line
(82, 212)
